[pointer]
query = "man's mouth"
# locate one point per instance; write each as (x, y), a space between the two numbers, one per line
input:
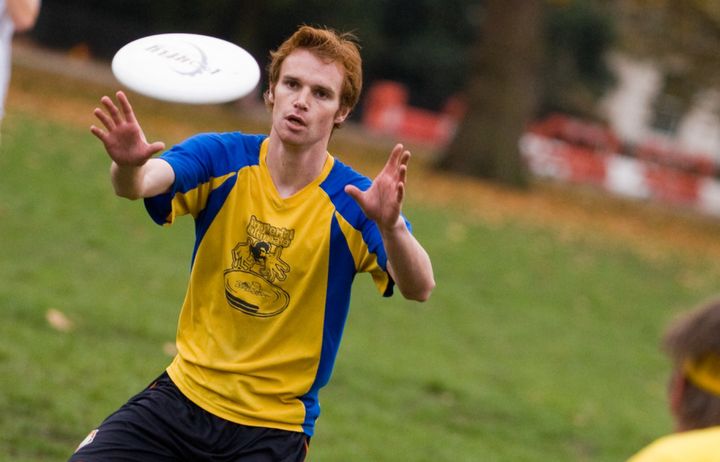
(295, 120)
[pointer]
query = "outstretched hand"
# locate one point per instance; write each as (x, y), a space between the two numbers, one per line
(382, 202)
(123, 137)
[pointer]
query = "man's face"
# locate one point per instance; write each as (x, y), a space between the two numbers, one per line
(306, 99)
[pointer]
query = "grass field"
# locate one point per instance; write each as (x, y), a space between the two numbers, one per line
(536, 345)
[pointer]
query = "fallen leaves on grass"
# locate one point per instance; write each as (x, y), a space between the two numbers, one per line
(58, 320)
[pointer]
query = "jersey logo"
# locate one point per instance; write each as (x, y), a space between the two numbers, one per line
(250, 284)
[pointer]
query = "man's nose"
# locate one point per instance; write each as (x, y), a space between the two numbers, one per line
(301, 102)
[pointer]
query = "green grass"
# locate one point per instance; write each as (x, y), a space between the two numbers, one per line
(534, 347)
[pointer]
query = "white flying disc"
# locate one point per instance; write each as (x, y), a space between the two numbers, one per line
(186, 68)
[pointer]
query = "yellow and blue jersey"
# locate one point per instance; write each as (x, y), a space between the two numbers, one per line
(270, 279)
(701, 445)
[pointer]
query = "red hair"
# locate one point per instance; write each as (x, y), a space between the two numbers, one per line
(329, 45)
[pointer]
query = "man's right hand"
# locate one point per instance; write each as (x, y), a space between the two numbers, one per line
(123, 137)
(134, 174)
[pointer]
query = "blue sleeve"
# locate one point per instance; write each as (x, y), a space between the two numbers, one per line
(198, 160)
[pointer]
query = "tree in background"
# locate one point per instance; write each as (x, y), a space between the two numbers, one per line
(501, 92)
(531, 56)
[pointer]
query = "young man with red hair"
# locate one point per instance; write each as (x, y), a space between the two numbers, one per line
(282, 227)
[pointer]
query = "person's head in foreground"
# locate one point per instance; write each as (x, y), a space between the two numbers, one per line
(692, 342)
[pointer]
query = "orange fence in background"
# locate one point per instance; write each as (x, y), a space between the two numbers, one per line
(566, 149)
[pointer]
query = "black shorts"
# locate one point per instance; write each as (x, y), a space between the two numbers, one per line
(161, 425)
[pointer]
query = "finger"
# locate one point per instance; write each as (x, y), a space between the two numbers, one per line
(98, 132)
(127, 109)
(107, 121)
(400, 193)
(402, 173)
(156, 147)
(353, 191)
(392, 162)
(403, 165)
(111, 109)
(356, 194)
(405, 157)
(395, 155)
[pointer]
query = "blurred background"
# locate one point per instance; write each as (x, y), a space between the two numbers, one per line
(564, 182)
(619, 94)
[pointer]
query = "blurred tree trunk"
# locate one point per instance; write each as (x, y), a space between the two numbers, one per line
(501, 93)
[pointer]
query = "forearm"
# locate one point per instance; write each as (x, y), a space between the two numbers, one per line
(135, 182)
(408, 263)
(127, 180)
(23, 13)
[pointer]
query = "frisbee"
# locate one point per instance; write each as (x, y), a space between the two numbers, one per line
(186, 68)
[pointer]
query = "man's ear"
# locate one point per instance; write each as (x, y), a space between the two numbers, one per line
(270, 96)
(341, 115)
